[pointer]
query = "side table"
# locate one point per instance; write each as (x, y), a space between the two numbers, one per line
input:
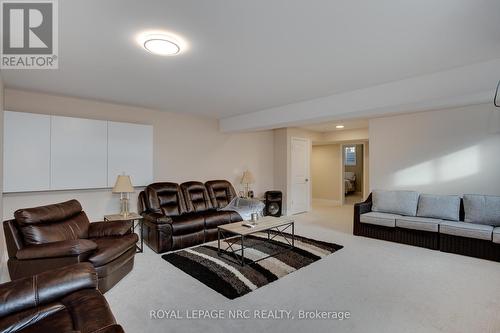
(137, 221)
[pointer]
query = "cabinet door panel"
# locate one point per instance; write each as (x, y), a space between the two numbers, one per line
(130, 151)
(26, 158)
(79, 153)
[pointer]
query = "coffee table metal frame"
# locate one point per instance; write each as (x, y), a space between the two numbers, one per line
(279, 230)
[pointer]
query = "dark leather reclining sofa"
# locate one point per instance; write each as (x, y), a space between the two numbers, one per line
(43, 238)
(179, 216)
(61, 300)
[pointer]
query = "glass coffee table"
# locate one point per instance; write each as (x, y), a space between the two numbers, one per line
(235, 233)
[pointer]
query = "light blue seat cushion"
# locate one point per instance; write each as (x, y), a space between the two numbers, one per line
(418, 223)
(446, 207)
(464, 229)
(482, 209)
(496, 235)
(383, 219)
(395, 202)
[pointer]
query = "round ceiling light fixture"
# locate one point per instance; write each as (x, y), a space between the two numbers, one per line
(162, 42)
(339, 126)
(161, 45)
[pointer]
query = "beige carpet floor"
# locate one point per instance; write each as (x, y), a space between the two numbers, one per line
(387, 287)
(351, 199)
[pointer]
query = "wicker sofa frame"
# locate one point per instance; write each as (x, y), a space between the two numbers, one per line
(432, 240)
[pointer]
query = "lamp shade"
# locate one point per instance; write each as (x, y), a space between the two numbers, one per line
(247, 178)
(123, 185)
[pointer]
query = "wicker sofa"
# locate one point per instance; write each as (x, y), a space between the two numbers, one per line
(468, 226)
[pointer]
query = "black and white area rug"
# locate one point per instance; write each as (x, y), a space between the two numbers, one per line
(232, 280)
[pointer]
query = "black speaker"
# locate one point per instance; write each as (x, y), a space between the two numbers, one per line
(274, 203)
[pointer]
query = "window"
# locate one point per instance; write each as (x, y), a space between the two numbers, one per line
(350, 155)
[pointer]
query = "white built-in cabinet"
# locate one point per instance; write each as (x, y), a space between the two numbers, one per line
(26, 152)
(78, 153)
(128, 144)
(43, 152)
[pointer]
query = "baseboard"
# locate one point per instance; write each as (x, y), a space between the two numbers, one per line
(326, 202)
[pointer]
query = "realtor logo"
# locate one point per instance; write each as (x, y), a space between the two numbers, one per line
(29, 34)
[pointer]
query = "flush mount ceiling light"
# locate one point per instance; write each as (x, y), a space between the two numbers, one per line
(161, 46)
(160, 43)
(496, 100)
(339, 126)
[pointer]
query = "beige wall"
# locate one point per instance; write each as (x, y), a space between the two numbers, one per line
(326, 173)
(366, 171)
(185, 148)
(345, 135)
(280, 162)
(451, 151)
(3, 250)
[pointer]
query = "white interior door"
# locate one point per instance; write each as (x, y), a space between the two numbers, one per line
(300, 187)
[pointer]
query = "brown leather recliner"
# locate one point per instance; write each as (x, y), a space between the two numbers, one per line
(61, 300)
(176, 216)
(47, 237)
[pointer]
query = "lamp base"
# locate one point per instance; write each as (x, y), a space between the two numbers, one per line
(124, 207)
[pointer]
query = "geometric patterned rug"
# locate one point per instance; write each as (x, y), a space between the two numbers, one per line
(233, 280)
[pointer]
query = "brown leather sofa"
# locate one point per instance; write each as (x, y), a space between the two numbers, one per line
(61, 300)
(43, 238)
(179, 216)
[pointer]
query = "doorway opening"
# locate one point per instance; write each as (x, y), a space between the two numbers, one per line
(339, 173)
(353, 173)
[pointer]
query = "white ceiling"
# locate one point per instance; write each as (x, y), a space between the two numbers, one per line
(330, 126)
(247, 56)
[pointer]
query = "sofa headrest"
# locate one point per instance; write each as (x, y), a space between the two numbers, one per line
(196, 196)
(48, 214)
(141, 203)
(221, 192)
(166, 197)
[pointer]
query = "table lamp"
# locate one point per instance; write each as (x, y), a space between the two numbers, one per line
(123, 186)
(246, 180)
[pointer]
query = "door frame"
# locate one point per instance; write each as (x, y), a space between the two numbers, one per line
(308, 142)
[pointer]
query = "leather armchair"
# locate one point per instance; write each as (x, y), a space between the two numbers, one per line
(109, 229)
(48, 237)
(61, 300)
(69, 248)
